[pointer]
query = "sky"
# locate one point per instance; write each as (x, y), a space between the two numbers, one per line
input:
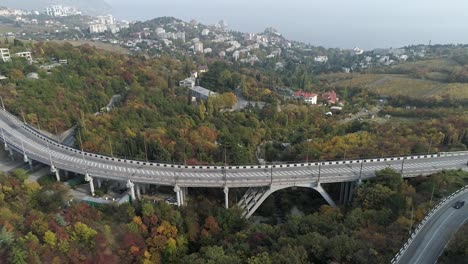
(366, 24)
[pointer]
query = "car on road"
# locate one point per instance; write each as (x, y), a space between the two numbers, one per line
(171, 201)
(458, 204)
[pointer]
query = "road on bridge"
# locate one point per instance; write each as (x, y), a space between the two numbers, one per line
(35, 146)
(428, 245)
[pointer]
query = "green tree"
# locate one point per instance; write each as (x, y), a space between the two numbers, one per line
(82, 234)
(50, 238)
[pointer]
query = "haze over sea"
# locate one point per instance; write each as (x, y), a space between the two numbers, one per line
(331, 23)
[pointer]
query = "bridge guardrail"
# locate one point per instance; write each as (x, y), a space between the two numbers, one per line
(310, 164)
(425, 220)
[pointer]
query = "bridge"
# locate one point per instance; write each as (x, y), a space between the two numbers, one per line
(262, 180)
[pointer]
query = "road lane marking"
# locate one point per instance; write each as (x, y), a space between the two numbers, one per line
(435, 233)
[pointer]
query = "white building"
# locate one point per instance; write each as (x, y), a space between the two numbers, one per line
(25, 54)
(321, 59)
(160, 31)
(279, 66)
(309, 98)
(189, 82)
(5, 55)
(180, 35)
(97, 28)
(205, 32)
(61, 11)
(198, 47)
(236, 55)
(33, 76)
(404, 57)
(358, 51)
(106, 20)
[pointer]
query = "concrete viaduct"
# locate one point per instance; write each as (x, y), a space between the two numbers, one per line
(262, 180)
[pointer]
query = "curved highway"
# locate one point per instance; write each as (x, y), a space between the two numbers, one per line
(430, 242)
(36, 146)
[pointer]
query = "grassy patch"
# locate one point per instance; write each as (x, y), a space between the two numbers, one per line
(400, 85)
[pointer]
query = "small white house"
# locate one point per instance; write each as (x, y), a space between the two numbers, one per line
(205, 32)
(321, 59)
(189, 82)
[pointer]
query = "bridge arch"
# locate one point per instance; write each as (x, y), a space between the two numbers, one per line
(254, 197)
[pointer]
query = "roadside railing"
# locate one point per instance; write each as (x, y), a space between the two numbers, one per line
(421, 225)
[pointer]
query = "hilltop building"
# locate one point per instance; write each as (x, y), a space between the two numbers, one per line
(321, 59)
(25, 54)
(198, 47)
(189, 82)
(61, 11)
(309, 98)
(200, 93)
(5, 55)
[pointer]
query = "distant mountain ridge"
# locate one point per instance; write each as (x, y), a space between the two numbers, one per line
(88, 7)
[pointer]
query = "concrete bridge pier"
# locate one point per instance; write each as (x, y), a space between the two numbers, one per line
(91, 183)
(226, 197)
(98, 182)
(184, 192)
(56, 171)
(346, 192)
(29, 161)
(177, 191)
(131, 186)
(11, 154)
(138, 191)
(181, 194)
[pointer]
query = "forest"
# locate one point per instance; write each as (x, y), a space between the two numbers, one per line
(156, 120)
(41, 224)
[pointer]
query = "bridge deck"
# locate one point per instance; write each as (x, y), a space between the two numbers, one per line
(36, 146)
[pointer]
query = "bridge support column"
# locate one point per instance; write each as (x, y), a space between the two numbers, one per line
(226, 197)
(346, 192)
(351, 191)
(184, 194)
(342, 188)
(11, 154)
(131, 186)
(138, 191)
(91, 183)
(179, 198)
(144, 188)
(28, 160)
(57, 172)
(98, 182)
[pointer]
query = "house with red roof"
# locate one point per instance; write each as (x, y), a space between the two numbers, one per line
(330, 97)
(309, 98)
